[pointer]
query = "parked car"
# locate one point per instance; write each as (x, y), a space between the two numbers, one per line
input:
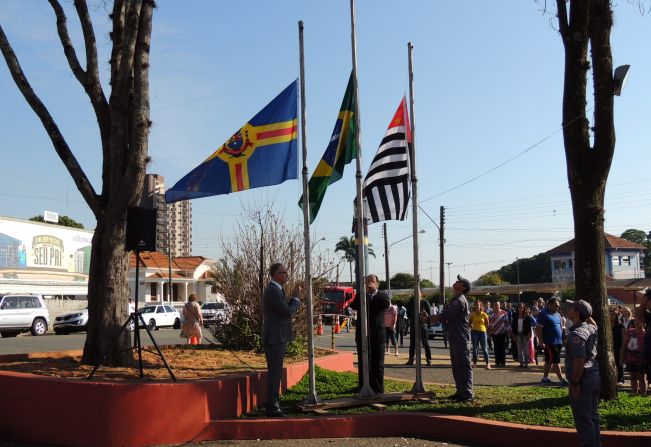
(434, 330)
(23, 313)
(215, 312)
(75, 321)
(161, 315)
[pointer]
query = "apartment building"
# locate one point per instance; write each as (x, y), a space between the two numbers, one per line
(174, 220)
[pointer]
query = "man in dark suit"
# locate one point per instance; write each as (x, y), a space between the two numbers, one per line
(376, 303)
(277, 314)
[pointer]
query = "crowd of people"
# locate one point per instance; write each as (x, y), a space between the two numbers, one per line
(528, 332)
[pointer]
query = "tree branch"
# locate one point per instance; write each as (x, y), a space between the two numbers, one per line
(140, 122)
(563, 25)
(602, 69)
(60, 146)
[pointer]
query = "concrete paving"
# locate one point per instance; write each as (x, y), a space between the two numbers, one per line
(440, 371)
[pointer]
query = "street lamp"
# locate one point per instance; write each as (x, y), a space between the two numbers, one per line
(314, 244)
(421, 231)
(449, 264)
(441, 253)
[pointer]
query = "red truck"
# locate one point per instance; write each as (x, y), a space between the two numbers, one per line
(337, 298)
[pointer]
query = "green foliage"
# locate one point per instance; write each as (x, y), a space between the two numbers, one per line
(531, 405)
(490, 279)
(402, 281)
(426, 283)
(633, 235)
(64, 221)
(239, 334)
(536, 269)
(568, 294)
(297, 347)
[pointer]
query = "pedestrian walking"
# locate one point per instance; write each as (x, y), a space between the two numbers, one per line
(521, 330)
(550, 338)
(632, 353)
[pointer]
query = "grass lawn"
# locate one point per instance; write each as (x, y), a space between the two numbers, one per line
(533, 405)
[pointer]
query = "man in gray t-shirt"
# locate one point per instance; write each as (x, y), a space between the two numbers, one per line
(456, 316)
(582, 371)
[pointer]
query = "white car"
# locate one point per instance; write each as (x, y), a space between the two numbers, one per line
(23, 312)
(215, 312)
(161, 315)
(68, 322)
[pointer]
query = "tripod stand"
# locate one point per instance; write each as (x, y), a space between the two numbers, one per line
(136, 318)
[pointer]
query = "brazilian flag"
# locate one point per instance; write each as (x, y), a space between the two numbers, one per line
(340, 151)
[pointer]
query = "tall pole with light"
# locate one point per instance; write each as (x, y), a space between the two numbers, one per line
(441, 251)
(517, 271)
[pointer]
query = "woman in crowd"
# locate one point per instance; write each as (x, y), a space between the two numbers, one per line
(618, 338)
(632, 354)
(498, 329)
(626, 318)
(478, 324)
(192, 321)
(390, 320)
(521, 330)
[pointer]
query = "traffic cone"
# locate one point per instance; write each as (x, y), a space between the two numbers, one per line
(337, 329)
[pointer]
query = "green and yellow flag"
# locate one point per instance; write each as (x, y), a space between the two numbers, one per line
(340, 151)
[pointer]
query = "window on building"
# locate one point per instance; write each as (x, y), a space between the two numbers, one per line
(626, 260)
(562, 264)
(616, 261)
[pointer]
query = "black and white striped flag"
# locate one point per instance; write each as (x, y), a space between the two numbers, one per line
(386, 186)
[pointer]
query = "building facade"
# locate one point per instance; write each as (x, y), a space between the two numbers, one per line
(43, 258)
(622, 260)
(174, 220)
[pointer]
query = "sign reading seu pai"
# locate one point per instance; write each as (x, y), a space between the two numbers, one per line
(47, 251)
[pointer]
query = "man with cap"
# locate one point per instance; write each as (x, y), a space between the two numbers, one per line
(456, 315)
(550, 337)
(582, 369)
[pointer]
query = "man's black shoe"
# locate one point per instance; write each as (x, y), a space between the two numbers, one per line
(429, 363)
(410, 362)
(275, 414)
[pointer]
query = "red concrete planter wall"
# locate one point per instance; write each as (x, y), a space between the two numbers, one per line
(423, 425)
(85, 413)
(80, 413)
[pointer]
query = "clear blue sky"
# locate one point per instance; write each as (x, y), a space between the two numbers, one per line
(488, 86)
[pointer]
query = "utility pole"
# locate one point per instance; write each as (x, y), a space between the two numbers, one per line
(386, 259)
(442, 255)
(517, 269)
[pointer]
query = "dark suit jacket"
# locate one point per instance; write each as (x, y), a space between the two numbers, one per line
(277, 316)
(375, 309)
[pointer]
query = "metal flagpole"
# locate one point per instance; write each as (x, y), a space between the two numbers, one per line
(312, 397)
(365, 390)
(418, 384)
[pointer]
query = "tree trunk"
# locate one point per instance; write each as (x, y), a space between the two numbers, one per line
(124, 124)
(107, 285)
(589, 24)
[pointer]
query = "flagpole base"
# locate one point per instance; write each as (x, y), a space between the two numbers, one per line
(366, 392)
(418, 387)
(312, 399)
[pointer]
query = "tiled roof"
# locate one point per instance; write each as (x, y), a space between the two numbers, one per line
(611, 242)
(155, 259)
(189, 262)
